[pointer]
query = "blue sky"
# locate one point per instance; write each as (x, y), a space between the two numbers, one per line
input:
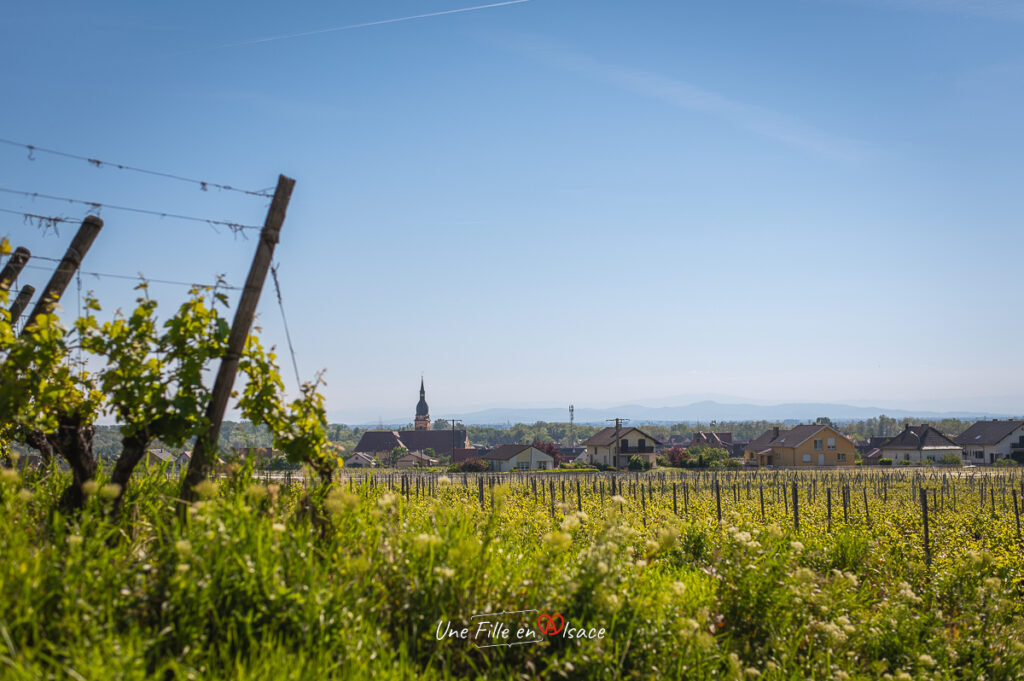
(557, 201)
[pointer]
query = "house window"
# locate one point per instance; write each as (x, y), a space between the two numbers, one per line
(640, 444)
(817, 443)
(807, 458)
(522, 465)
(978, 455)
(841, 456)
(542, 465)
(831, 443)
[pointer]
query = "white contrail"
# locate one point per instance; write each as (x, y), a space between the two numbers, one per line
(370, 23)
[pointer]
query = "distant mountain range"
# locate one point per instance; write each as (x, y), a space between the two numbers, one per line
(705, 411)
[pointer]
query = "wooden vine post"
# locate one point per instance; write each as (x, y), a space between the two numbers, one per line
(73, 439)
(924, 518)
(13, 267)
(205, 448)
(21, 302)
(66, 269)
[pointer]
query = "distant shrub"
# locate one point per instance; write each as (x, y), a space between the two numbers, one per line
(951, 459)
(637, 463)
(473, 466)
(885, 462)
(576, 468)
(1006, 463)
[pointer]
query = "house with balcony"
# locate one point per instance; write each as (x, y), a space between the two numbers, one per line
(986, 442)
(616, 446)
(917, 444)
(810, 446)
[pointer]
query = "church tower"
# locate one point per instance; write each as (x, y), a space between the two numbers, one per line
(422, 411)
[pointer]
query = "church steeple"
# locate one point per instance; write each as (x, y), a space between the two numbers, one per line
(422, 410)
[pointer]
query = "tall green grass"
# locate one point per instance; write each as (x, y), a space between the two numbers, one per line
(264, 582)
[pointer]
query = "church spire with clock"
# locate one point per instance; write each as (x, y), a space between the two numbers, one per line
(422, 410)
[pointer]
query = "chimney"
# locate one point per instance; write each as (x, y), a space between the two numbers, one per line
(775, 432)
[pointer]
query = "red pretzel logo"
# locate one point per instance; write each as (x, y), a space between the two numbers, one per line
(546, 623)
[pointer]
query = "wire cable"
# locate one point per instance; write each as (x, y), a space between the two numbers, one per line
(41, 221)
(203, 184)
(137, 277)
(233, 226)
(287, 334)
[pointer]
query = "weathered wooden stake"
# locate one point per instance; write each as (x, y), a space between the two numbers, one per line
(924, 517)
(203, 454)
(21, 302)
(65, 271)
(13, 267)
(718, 501)
(828, 506)
(796, 510)
(1016, 512)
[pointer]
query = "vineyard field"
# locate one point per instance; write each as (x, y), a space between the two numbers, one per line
(665, 574)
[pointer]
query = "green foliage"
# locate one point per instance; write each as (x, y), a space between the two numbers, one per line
(152, 379)
(885, 462)
(38, 385)
(250, 587)
(951, 459)
(638, 463)
(300, 428)
(472, 466)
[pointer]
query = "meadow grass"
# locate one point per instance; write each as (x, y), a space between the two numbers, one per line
(265, 581)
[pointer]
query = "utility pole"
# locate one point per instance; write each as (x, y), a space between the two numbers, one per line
(618, 427)
(206, 444)
(452, 423)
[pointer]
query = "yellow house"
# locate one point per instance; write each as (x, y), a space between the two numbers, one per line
(813, 446)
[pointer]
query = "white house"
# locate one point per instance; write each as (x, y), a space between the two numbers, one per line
(416, 459)
(360, 460)
(505, 458)
(616, 446)
(155, 457)
(989, 441)
(919, 443)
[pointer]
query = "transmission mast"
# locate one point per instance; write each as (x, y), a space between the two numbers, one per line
(572, 427)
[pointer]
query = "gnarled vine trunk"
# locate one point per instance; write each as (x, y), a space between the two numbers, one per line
(36, 439)
(73, 441)
(133, 448)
